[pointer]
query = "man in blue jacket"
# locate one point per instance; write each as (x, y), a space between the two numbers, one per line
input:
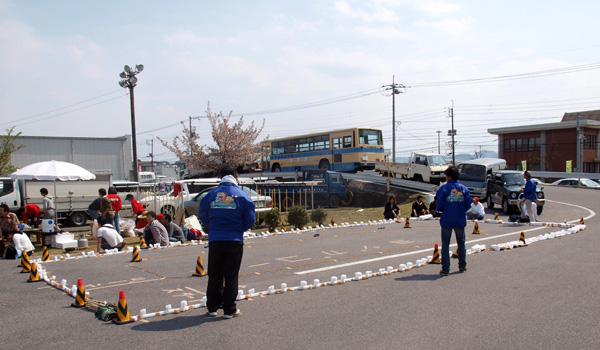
(454, 200)
(528, 196)
(228, 212)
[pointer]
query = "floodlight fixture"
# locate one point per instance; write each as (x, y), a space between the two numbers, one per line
(123, 75)
(127, 69)
(129, 80)
(139, 67)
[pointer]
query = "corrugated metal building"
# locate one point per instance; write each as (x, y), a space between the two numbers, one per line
(98, 155)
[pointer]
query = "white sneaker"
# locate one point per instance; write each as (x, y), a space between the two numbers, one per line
(235, 314)
(212, 314)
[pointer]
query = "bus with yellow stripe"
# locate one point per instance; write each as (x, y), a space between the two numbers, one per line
(345, 150)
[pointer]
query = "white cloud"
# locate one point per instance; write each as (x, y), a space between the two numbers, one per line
(388, 32)
(379, 13)
(451, 26)
(188, 38)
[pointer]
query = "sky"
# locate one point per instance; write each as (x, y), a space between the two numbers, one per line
(299, 66)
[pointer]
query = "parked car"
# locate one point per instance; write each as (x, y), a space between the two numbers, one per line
(504, 188)
(575, 182)
(538, 182)
(262, 203)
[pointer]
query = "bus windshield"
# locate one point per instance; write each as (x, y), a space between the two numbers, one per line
(436, 160)
(370, 137)
(472, 172)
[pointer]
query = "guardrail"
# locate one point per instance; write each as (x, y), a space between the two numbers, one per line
(558, 175)
(408, 184)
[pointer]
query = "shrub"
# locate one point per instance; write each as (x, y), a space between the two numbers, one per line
(272, 219)
(318, 215)
(297, 216)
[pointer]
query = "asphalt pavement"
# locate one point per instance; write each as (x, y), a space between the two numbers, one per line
(540, 296)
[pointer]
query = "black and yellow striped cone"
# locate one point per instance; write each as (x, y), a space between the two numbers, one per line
(34, 276)
(581, 222)
(199, 268)
(45, 254)
(522, 238)
(283, 227)
(455, 254)
(122, 310)
(80, 296)
(496, 217)
(476, 229)
(25, 263)
(135, 256)
(436, 256)
(143, 244)
(407, 223)
(332, 221)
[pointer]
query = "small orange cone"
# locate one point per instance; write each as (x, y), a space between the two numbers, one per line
(34, 276)
(496, 217)
(581, 222)
(45, 254)
(436, 256)
(143, 244)
(25, 263)
(283, 227)
(332, 221)
(407, 223)
(476, 229)
(455, 254)
(122, 310)
(135, 256)
(80, 296)
(522, 239)
(199, 268)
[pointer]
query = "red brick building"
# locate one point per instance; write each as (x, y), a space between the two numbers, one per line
(547, 147)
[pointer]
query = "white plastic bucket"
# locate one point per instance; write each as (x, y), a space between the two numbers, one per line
(48, 225)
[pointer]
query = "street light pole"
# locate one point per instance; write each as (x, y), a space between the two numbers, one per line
(129, 81)
(438, 132)
(393, 89)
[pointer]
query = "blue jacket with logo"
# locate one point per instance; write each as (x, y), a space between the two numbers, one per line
(228, 212)
(529, 190)
(453, 200)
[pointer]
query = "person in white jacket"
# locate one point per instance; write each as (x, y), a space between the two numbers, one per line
(22, 243)
(476, 212)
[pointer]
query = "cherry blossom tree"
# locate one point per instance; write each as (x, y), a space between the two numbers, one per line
(8, 146)
(235, 144)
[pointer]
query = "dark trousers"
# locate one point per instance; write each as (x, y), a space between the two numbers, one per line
(224, 261)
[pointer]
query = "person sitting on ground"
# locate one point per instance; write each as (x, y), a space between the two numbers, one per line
(158, 231)
(391, 210)
(141, 220)
(433, 208)
(29, 215)
(418, 208)
(9, 223)
(108, 237)
(476, 211)
(175, 232)
(22, 244)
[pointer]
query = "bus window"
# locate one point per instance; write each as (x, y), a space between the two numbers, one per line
(370, 137)
(347, 141)
(337, 143)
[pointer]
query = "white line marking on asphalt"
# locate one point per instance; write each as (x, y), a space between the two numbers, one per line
(194, 290)
(401, 241)
(257, 265)
(287, 259)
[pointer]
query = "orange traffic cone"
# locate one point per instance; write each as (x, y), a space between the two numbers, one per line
(143, 244)
(135, 256)
(332, 221)
(45, 254)
(283, 227)
(476, 229)
(25, 263)
(407, 223)
(581, 222)
(34, 276)
(199, 268)
(122, 310)
(496, 217)
(436, 256)
(522, 238)
(455, 254)
(80, 296)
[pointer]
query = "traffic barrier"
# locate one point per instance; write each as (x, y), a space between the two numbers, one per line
(45, 254)
(407, 223)
(522, 239)
(33, 275)
(135, 256)
(435, 259)
(476, 229)
(122, 310)
(199, 268)
(25, 263)
(80, 296)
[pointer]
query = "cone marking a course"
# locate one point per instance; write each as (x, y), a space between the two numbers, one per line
(80, 296)
(407, 223)
(332, 220)
(143, 244)
(581, 222)
(122, 310)
(34, 276)
(135, 256)
(455, 254)
(25, 263)
(283, 227)
(436, 256)
(45, 254)
(476, 229)
(522, 238)
(496, 217)
(199, 268)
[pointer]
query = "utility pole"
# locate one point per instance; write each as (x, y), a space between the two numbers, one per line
(452, 133)
(151, 144)
(579, 167)
(439, 150)
(393, 89)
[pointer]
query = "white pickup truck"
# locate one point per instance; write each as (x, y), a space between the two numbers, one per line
(426, 167)
(72, 197)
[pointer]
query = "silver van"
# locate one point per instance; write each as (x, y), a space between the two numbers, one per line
(474, 174)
